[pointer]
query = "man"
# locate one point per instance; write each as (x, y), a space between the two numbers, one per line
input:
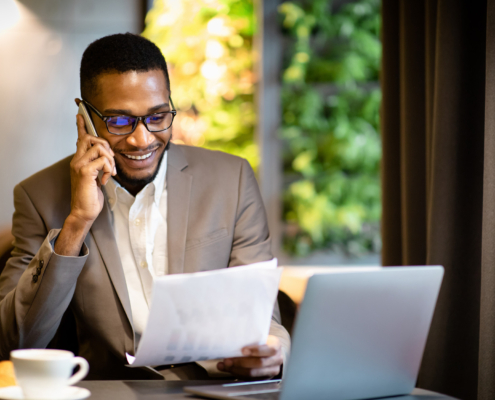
(93, 230)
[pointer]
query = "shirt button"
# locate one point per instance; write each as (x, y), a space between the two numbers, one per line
(111, 201)
(137, 222)
(143, 264)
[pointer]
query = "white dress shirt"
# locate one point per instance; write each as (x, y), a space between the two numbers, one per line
(140, 228)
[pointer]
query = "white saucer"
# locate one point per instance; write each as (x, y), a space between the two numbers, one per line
(68, 393)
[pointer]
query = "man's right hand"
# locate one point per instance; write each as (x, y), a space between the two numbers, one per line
(92, 156)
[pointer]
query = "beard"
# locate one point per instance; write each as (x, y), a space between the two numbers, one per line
(127, 180)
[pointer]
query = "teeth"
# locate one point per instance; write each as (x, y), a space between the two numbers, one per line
(138, 157)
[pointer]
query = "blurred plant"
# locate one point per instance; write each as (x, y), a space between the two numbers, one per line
(208, 48)
(330, 100)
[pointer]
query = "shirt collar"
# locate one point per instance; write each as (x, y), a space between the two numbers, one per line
(158, 184)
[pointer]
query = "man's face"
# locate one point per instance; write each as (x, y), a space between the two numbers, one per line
(136, 94)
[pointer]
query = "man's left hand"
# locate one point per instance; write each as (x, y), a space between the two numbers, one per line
(259, 361)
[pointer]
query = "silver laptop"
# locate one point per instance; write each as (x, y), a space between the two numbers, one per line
(359, 334)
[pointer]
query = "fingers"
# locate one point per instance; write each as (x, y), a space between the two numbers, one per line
(269, 349)
(266, 372)
(84, 140)
(254, 362)
(108, 171)
(263, 350)
(94, 167)
(95, 152)
(262, 361)
(95, 160)
(81, 127)
(89, 148)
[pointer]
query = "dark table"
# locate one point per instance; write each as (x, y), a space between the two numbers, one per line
(151, 390)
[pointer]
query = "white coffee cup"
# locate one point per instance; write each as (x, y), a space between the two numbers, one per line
(45, 373)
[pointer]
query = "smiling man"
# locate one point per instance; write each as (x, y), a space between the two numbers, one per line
(94, 230)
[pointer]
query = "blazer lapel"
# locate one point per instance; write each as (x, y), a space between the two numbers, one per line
(179, 184)
(102, 232)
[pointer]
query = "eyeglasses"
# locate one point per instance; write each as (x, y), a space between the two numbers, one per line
(126, 124)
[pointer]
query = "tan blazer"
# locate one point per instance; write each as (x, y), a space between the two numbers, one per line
(216, 219)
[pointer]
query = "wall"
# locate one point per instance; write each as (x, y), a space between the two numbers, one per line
(39, 79)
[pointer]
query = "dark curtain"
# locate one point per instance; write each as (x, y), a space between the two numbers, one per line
(438, 176)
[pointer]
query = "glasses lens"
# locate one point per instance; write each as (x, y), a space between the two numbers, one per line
(159, 122)
(120, 124)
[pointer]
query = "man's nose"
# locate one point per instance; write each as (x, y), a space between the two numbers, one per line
(141, 137)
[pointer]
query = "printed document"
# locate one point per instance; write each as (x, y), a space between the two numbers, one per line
(208, 315)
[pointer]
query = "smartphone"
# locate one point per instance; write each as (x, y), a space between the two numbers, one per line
(90, 128)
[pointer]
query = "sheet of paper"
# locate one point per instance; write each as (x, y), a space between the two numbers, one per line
(208, 315)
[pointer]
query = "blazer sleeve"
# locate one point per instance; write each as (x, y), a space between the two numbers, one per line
(252, 242)
(37, 285)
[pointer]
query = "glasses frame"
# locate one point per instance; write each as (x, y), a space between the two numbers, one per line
(143, 118)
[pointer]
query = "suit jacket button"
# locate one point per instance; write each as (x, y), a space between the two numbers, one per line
(35, 278)
(41, 263)
(38, 271)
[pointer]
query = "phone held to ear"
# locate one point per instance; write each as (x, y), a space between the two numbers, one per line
(90, 128)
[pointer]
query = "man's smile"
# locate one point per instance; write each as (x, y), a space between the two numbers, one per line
(138, 157)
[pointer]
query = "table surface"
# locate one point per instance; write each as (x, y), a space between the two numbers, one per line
(151, 390)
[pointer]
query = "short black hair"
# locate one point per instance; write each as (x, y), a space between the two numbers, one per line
(119, 53)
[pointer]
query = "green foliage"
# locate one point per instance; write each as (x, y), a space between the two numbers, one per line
(330, 100)
(208, 48)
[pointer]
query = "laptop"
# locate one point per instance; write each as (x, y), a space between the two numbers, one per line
(359, 334)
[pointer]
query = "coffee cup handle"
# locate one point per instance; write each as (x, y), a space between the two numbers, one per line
(83, 370)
